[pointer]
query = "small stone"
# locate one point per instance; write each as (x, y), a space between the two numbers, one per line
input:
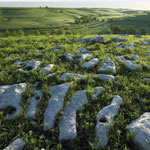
(108, 66)
(140, 130)
(97, 92)
(55, 104)
(118, 39)
(18, 144)
(47, 68)
(138, 36)
(106, 77)
(91, 63)
(69, 56)
(66, 76)
(18, 62)
(51, 75)
(67, 126)
(146, 79)
(57, 48)
(104, 119)
(8, 58)
(84, 56)
(135, 57)
(82, 49)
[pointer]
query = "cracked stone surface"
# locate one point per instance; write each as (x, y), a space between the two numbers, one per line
(66, 76)
(108, 66)
(18, 144)
(55, 104)
(84, 56)
(97, 91)
(105, 77)
(131, 65)
(48, 68)
(10, 95)
(104, 119)
(140, 130)
(33, 103)
(67, 125)
(82, 49)
(92, 63)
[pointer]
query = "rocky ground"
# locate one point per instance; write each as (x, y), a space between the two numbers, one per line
(71, 92)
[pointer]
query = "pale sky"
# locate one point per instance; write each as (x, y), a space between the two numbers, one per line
(131, 4)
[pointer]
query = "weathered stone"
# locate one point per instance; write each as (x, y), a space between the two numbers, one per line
(82, 49)
(8, 58)
(91, 63)
(69, 56)
(67, 126)
(55, 104)
(66, 76)
(84, 56)
(140, 130)
(10, 95)
(18, 144)
(135, 57)
(131, 65)
(118, 39)
(97, 92)
(146, 79)
(104, 119)
(105, 77)
(98, 39)
(47, 68)
(57, 48)
(108, 66)
(51, 75)
(138, 36)
(32, 107)
(31, 65)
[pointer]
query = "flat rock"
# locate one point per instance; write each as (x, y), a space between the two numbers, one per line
(18, 144)
(118, 39)
(10, 95)
(140, 130)
(92, 63)
(135, 57)
(66, 76)
(104, 119)
(82, 49)
(55, 104)
(97, 91)
(105, 77)
(108, 66)
(131, 65)
(84, 56)
(47, 68)
(32, 107)
(67, 125)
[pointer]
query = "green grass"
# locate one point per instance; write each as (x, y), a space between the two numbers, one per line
(45, 18)
(129, 85)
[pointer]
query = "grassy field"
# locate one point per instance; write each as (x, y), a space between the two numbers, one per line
(129, 85)
(47, 18)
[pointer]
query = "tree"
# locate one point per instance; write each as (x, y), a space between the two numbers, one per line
(132, 30)
(143, 31)
(116, 29)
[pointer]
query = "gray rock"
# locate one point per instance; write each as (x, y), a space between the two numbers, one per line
(30, 65)
(1, 72)
(18, 144)
(146, 79)
(148, 54)
(8, 58)
(67, 126)
(47, 68)
(130, 45)
(104, 119)
(138, 36)
(10, 95)
(135, 57)
(55, 104)
(32, 107)
(98, 39)
(84, 39)
(57, 48)
(148, 48)
(82, 49)
(18, 62)
(97, 91)
(105, 77)
(108, 66)
(92, 63)
(140, 130)
(66, 76)
(118, 39)
(51, 75)
(69, 56)
(131, 65)
(84, 56)
(36, 84)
